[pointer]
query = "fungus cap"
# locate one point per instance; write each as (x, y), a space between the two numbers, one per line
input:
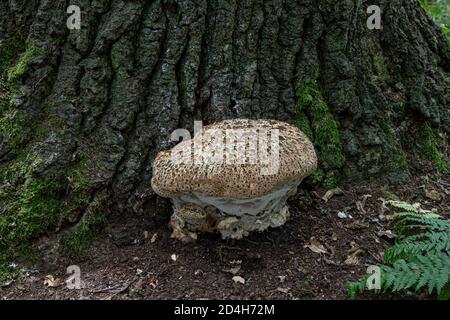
(228, 159)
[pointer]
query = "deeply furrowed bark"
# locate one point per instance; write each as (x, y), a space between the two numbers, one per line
(84, 112)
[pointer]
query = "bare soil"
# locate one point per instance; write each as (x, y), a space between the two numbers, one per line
(136, 259)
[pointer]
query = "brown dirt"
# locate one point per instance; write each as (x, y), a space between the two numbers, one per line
(123, 264)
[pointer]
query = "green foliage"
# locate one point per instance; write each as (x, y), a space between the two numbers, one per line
(29, 212)
(76, 242)
(16, 126)
(8, 53)
(317, 122)
(420, 258)
(389, 194)
(439, 10)
(16, 73)
(429, 145)
(395, 160)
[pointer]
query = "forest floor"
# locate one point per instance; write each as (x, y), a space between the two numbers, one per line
(322, 247)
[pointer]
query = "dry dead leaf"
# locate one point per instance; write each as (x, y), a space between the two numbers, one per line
(433, 195)
(154, 237)
(329, 261)
(331, 193)
(51, 281)
(360, 204)
(357, 226)
(353, 247)
(360, 207)
(316, 246)
(283, 290)
(352, 260)
(353, 252)
(153, 283)
(198, 272)
(386, 233)
(342, 215)
(233, 271)
(6, 284)
(238, 279)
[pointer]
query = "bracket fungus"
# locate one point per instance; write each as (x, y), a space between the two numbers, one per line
(233, 177)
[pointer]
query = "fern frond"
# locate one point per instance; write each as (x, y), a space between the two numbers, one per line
(416, 261)
(431, 270)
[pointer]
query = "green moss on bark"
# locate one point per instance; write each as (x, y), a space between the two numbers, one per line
(77, 241)
(396, 162)
(8, 54)
(34, 206)
(315, 119)
(430, 143)
(16, 73)
(29, 211)
(16, 126)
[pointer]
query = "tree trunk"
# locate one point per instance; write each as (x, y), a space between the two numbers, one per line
(84, 112)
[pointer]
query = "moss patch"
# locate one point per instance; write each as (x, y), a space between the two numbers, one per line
(430, 144)
(34, 206)
(8, 53)
(315, 119)
(29, 211)
(15, 125)
(79, 240)
(16, 73)
(395, 159)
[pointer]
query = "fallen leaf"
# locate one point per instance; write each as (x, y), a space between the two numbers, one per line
(6, 284)
(360, 207)
(316, 246)
(315, 194)
(433, 195)
(353, 247)
(331, 193)
(360, 204)
(233, 271)
(153, 283)
(283, 290)
(342, 215)
(238, 279)
(329, 261)
(198, 272)
(352, 258)
(153, 239)
(386, 234)
(357, 226)
(51, 281)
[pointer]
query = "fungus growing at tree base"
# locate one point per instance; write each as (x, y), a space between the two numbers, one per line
(247, 171)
